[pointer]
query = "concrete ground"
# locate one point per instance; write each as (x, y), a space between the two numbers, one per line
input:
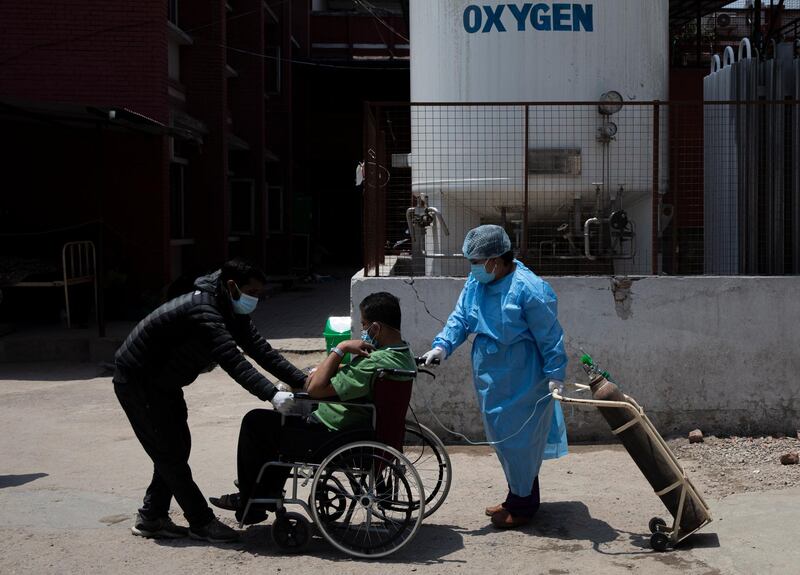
(72, 475)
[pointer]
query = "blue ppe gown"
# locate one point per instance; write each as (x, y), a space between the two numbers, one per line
(518, 347)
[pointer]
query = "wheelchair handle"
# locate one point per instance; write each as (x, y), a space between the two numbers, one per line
(401, 372)
(381, 372)
(421, 361)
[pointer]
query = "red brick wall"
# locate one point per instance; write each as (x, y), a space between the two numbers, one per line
(246, 101)
(92, 52)
(203, 73)
(102, 52)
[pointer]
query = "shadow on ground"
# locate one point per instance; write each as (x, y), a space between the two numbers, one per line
(569, 522)
(564, 520)
(430, 545)
(54, 371)
(17, 480)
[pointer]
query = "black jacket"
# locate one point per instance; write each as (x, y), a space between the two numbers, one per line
(190, 334)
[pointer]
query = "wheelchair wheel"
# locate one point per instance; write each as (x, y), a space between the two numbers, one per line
(329, 499)
(291, 532)
(426, 452)
(383, 496)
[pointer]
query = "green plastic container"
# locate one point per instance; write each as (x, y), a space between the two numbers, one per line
(337, 330)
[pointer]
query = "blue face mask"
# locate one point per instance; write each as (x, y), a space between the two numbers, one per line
(367, 338)
(480, 274)
(245, 305)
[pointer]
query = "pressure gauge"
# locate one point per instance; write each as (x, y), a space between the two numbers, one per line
(610, 103)
(607, 131)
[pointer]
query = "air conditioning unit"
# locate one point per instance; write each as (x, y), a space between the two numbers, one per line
(724, 21)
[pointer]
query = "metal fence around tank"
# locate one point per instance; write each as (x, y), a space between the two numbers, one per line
(585, 188)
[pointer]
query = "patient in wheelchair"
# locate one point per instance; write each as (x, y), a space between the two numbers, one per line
(267, 436)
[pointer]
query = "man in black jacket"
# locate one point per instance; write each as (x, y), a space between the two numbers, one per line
(166, 351)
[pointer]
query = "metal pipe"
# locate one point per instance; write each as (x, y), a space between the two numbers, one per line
(745, 50)
(411, 226)
(628, 257)
(654, 244)
(442, 256)
(438, 217)
(728, 57)
(759, 39)
(524, 247)
(586, 247)
(598, 208)
(796, 170)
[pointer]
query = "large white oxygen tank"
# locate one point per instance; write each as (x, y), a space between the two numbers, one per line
(469, 160)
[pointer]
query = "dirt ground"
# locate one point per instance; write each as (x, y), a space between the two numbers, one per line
(733, 465)
(72, 475)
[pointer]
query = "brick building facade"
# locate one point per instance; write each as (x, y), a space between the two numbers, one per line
(172, 134)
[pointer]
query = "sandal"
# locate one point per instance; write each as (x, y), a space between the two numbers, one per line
(255, 515)
(230, 502)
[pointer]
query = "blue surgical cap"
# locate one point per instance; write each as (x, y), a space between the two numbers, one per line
(484, 242)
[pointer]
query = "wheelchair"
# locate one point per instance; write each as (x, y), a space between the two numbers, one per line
(427, 453)
(369, 489)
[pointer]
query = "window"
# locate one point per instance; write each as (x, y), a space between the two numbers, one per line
(174, 61)
(243, 207)
(172, 11)
(275, 209)
(272, 70)
(273, 37)
(179, 228)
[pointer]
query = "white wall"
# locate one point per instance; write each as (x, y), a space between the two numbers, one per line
(626, 50)
(718, 353)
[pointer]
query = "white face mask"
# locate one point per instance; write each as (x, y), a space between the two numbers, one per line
(366, 337)
(245, 305)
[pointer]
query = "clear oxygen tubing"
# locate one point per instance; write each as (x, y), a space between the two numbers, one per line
(490, 443)
(518, 431)
(498, 442)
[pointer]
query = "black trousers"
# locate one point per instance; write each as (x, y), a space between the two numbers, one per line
(159, 420)
(524, 506)
(264, 438)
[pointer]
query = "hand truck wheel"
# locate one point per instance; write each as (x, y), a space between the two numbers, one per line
(659, 541)
(291, 532)
(655, 525)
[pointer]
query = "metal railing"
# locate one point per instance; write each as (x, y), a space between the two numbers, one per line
(610, 187)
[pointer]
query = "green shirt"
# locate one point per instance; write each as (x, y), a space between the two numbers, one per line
(353, 383)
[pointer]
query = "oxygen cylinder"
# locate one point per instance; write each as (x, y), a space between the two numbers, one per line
(645, 451)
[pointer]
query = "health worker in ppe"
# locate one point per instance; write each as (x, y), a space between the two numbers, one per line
(518, 358)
